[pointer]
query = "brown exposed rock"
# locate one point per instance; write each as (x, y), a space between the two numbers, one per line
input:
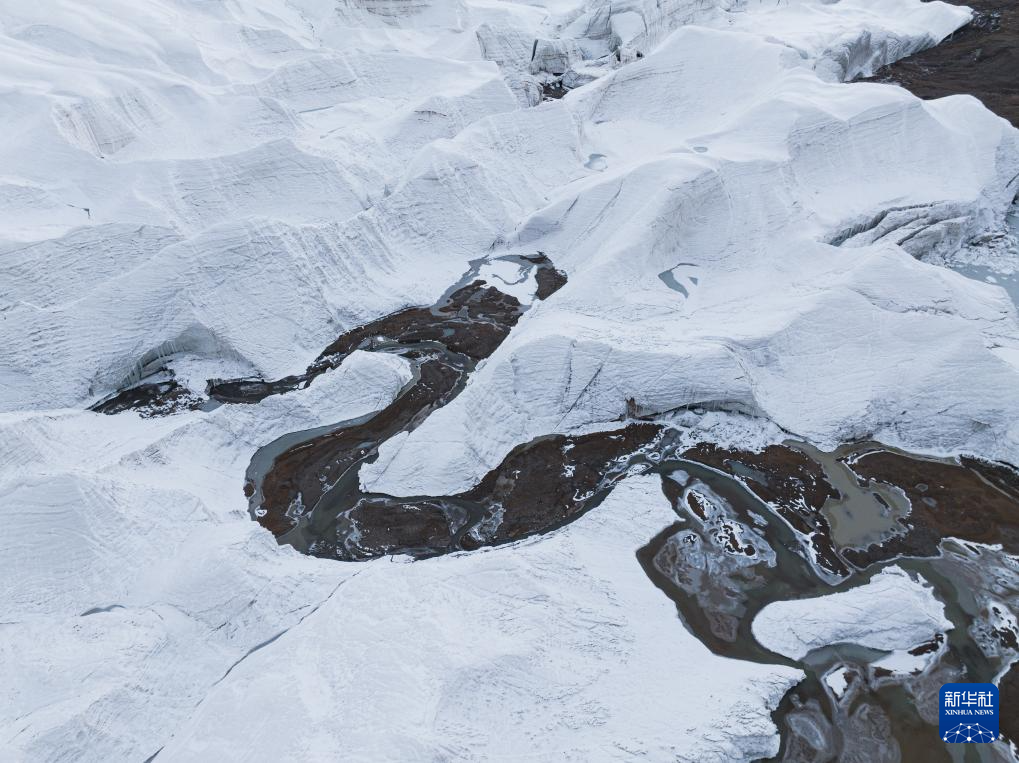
(551, 481)
(152, 399)
(445, 341)
(538, 487)
(301, 475)
(981, 59)
(974, 500)
(549, 279)
(789, 481)
(473, 321)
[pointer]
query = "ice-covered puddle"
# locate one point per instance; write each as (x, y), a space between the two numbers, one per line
(675, 277)
(995, 261)
(1009, 281)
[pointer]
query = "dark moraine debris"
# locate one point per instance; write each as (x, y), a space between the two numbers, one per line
(1008, 697)
(981, 59)
(255, 390)
(928, 647)
(1003, 476)
(778, 475)
(310, 496)
(549, 278)
(1007, 636)
(160, 398)
(300, 476)
(472, 320)
(538, 487)
(554, 90)
(553, 480)
(974, 500)
(789, 481)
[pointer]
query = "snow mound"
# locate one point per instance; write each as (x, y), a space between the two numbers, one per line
(288, 167)
(706, 267)
(133, 578)
(891, 612)
(225, 188)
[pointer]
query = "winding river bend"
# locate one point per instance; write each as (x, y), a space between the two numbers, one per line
(751, 528)
(785, 523)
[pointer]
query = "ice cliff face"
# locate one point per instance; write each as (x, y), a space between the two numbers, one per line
(225, 188)
(744, 221)
(242, 184)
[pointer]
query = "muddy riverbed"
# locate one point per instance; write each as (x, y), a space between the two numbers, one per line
(471, 319)
(754, 528)
(751, 528)
(981, 59)
(736, 548)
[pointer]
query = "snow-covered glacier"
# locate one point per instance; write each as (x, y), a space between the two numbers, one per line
(753, 249)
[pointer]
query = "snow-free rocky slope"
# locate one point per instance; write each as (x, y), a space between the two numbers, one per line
(226, 187)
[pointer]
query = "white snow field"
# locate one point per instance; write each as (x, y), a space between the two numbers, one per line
(226, 187)
(891, 612)
(555, 649)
